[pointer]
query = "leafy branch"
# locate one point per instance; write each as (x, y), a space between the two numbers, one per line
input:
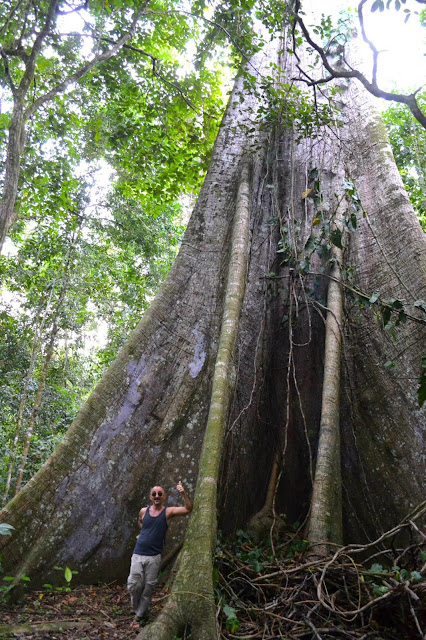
(216, 25)
(86, 67)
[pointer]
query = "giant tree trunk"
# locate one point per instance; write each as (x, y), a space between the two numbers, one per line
(144, 424)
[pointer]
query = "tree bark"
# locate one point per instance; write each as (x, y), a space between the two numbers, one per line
(15, 147)
(384, 428)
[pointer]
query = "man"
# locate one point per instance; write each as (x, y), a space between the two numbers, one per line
(146, 559)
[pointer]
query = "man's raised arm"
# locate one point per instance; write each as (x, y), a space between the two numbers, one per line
(180, 511)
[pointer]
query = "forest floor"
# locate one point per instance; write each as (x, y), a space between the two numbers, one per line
(84, 613)
(263, 591)
(103, 612)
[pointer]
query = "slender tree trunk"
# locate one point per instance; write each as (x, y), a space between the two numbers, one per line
(12, 169)
(18, 427)
(325, 518)
(38, 397)
(24, 396)
(266, 520)
(46, 364)
(16, 139)
(272, 487)
(42, 380)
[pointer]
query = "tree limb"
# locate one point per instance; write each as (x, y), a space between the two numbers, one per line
(409, 100)
(18, 51)
(30, 63)
(369, 42)
(79, 8)
(76, 34)
(9, 78)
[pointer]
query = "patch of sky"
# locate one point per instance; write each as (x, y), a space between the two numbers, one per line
(401, 42)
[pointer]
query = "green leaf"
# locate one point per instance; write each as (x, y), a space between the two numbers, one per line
(310, 243)
(377, 568)
(230, 612)
(336, 238)
(416, 576)
(232, 625)
(386, 314)
(68, 574)
(6, 529)
(232, 622)
(379, 590)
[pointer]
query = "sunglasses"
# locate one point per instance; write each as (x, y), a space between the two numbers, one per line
(155, 493)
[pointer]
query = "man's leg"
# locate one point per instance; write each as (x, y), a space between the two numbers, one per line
(151, 569)
(135, 581)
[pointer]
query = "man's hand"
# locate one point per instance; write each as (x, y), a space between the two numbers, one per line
(179, 487)
(180, 511)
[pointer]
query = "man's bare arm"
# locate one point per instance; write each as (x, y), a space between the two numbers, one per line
(140, 517)
(180, 511)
